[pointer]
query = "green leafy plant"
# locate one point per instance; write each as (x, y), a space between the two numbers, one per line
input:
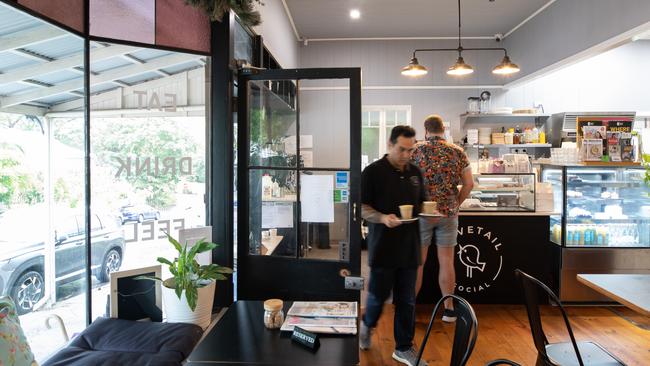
(216, 9)
(188, 275)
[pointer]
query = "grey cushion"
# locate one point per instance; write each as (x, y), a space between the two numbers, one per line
(110, 341)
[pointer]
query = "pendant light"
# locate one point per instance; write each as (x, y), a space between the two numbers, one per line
(414, 68)
(506, 67)
(460, 68)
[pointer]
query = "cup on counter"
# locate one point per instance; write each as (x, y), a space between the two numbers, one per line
(273, 232)
(429, 207)
(406, 211)
(265, 234)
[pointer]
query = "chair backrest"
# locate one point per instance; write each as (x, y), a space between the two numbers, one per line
(465, 333)
(530, 287)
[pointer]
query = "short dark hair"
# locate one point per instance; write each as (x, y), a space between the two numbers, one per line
(434, 124)
(401, 130)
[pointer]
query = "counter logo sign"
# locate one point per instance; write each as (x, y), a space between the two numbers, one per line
(478, 252)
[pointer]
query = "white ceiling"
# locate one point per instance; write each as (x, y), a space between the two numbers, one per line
(316, 19)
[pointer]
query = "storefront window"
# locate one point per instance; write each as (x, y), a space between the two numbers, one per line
(376, 122)
(42, 178)
(148, 149)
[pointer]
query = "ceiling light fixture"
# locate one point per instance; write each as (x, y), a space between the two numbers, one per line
(355, 14)
(506, 66)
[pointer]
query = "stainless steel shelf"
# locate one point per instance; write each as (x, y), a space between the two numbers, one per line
(507, 145)
(502, 115)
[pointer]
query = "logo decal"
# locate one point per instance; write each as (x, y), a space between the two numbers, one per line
(479, 252)
(469, 256)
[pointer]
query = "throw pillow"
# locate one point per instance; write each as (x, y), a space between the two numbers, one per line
(14, 349)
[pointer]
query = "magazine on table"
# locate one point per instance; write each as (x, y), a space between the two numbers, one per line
(321, 330)
(327, 309)
(321, 325)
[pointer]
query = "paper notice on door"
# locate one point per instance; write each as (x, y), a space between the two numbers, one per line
(277, 215)
(317, 198)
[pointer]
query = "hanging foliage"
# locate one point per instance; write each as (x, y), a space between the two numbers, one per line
(215, 9)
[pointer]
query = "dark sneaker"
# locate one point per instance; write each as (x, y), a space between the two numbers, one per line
(449, 316)
(408, 357)
(365, 336)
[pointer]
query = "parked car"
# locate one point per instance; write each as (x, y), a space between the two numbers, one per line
(139, 213)
(22, 251)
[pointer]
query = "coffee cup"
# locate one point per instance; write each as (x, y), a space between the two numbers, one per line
(429, 207)
(273, 232)
(265, 234)
(406, 211)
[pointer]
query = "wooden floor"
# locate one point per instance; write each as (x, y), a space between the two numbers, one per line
(504, 333)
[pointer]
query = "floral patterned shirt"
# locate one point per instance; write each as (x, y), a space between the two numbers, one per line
(442, 164)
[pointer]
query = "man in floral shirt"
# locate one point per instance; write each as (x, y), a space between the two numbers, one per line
(444, 166)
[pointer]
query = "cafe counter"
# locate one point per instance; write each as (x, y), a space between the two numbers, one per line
(491, 245)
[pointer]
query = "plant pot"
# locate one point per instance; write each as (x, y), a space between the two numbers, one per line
(178, 310)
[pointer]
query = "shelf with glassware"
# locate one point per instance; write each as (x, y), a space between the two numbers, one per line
(501, 193)
(504, 128)
(602, 206)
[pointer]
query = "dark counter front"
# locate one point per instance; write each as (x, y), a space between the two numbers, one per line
(489, 249)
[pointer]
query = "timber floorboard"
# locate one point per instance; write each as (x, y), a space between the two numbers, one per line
(504, 333)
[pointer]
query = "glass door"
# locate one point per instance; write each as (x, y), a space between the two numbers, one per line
(298, 173)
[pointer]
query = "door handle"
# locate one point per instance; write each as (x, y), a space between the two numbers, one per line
(354, 211)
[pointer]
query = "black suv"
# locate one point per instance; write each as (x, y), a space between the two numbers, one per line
(22, 251)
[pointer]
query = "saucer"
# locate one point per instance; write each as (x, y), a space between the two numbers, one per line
(437, 214)
(409, 220)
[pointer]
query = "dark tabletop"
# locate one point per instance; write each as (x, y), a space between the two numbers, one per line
(240, 338)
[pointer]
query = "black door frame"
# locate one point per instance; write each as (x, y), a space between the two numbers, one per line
(312, 271)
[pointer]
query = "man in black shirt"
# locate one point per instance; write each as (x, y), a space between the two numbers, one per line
(393, 244)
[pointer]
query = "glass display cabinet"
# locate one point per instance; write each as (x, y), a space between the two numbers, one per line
(601, 206)
(502, 193)
(604, 226)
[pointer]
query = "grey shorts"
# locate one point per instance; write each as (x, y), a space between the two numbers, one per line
(446, 230)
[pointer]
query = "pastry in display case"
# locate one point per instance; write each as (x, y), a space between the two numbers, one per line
(605, 206)
(502, 193)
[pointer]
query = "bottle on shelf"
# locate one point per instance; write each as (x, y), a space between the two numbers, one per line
(517, 136)
(535, 135)
(275, 190)
(542, 137)
(267, 187)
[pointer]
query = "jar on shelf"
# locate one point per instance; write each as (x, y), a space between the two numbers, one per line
(473, 105)
(273, 314)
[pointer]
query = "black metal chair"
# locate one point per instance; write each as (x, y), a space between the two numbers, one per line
(559, 354)
(465, 334)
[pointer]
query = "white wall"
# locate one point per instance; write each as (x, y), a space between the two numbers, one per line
(277, 33)
(617, 80)
(437, 92)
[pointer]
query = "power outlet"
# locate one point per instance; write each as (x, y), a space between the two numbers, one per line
(354, 283)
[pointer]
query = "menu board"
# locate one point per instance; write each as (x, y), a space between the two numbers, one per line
(605, 139)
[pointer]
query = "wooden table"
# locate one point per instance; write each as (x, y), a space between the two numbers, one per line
(240, 338)
(631, 290)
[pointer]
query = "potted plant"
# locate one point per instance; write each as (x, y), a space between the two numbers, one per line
(216, 9)
(188, 295)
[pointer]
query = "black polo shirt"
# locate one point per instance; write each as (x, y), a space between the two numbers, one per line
(385, 188)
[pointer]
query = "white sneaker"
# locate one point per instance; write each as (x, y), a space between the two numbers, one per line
(449, 316)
